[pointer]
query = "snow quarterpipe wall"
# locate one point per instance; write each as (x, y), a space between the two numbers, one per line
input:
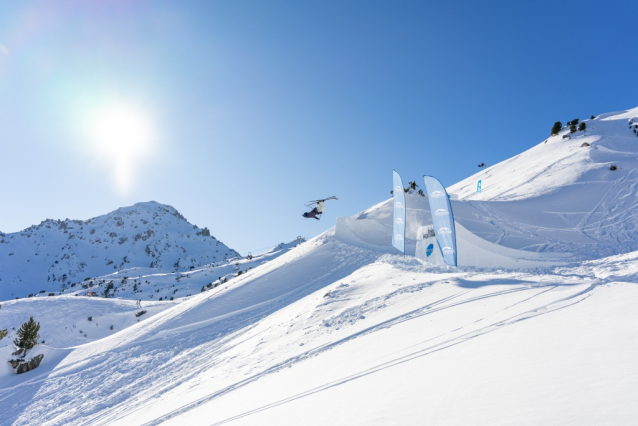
(372, 229)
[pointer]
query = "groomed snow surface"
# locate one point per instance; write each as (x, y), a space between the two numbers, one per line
(341, 330)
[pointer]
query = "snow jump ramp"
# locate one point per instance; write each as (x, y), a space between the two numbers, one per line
(372, 230)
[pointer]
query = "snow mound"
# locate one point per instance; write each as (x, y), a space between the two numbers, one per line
(372, 230)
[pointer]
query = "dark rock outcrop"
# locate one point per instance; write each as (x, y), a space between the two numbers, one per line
(22, 366)
(20, 352)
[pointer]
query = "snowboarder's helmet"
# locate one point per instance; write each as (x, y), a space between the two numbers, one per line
(305, 215)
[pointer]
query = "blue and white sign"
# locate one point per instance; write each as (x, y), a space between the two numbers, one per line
(429, 250)
(478, 186)
(442, 219)
(398, 218)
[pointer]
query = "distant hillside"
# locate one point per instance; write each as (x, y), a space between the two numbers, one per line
(55, 254)
(571, 157)
(574, 192)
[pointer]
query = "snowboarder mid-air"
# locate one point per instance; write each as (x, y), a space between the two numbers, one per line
(318, 209)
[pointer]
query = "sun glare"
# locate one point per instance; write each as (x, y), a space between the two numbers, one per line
(123, 136)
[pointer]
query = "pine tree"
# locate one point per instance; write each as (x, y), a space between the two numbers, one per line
(28, 335)
(557, 126)
(572, 128)
(582, 126)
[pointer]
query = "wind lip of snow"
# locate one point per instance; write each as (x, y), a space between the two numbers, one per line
(619, 115)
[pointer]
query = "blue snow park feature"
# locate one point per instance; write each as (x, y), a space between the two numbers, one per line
(478, 187)
(398, 218)
(442, 219)
(429, 250)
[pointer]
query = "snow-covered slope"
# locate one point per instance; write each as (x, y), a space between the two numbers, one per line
(556, 201)
(55, 255)
(334, 334)
(115, 312)
(340, 330)
(561, 196)
(560, 161)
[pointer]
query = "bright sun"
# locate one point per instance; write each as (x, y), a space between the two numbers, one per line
(123, 136)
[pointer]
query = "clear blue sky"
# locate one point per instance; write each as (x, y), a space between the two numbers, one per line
(250, 108)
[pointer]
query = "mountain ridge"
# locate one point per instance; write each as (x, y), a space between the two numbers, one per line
(55, 254)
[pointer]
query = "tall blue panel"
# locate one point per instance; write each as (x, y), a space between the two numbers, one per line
(442, 219)
(398, 218)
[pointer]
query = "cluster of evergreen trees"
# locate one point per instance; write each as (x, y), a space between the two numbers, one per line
(574, 126)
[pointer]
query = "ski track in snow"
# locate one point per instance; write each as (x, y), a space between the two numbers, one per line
(389, 364)
(425, 310)
(164, 366)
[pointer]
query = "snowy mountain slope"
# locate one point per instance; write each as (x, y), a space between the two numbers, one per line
(149, 284)
(66, 318)
(557, 163)
(338, 331)
(209, 316)
(560, 196)
(557, 198)
(419, 371)
(54, 255)
(279, 346)
(156, 291)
